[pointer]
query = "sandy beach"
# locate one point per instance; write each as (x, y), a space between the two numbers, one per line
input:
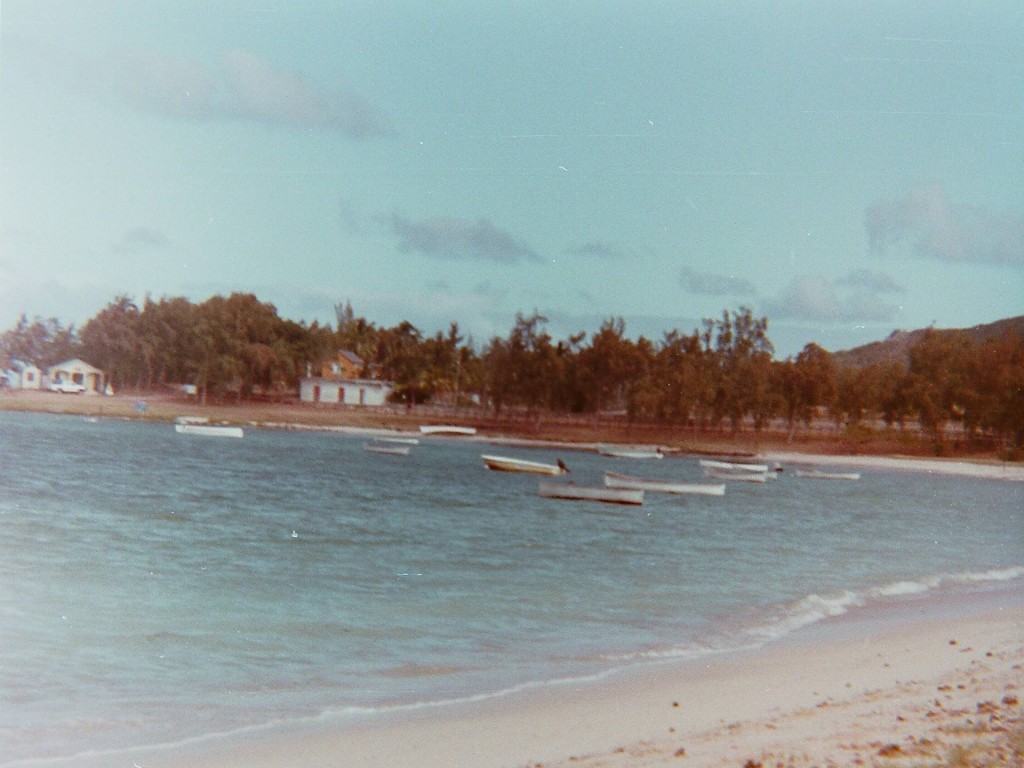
(934, 682)
(986, 470)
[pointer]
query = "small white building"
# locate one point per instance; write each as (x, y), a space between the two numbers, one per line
(23, 375)
(77, 371)
(318, 389)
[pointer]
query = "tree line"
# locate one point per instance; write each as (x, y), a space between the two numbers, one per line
(722, 374)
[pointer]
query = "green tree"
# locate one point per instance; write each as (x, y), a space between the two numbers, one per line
(743, 353)
(939, 374)
(997, 376)
(856, 394)
(893, 389)
(41, 342)
(610, 366)
(805, 384)
(399, 356)
(165, 332)
(111, 340)
(356, 334)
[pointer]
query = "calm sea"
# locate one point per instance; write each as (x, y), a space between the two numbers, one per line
(155, 587)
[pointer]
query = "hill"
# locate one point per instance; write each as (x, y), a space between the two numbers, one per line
(897, 346)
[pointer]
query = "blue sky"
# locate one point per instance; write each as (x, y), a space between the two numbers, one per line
(845, 168)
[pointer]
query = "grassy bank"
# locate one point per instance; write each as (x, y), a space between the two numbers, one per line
(549, 428)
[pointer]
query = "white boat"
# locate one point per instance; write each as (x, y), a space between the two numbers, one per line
(446, 429)
(508, 464)
(192, 420)
(399, 440)
(616, 480)
(208, 430)
(392, 449)
(732, 466)
(736, 476)
(630, 453)
(820, 475)
(551, 490)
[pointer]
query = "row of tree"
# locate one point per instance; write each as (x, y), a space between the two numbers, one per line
(722, 374)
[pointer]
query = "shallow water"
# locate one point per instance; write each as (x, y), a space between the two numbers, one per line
(155, 587)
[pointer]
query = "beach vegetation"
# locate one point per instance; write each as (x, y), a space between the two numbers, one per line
(953, 388)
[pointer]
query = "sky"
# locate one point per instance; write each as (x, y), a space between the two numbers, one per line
(844, 168)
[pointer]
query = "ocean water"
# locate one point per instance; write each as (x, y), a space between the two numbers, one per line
(157, 587)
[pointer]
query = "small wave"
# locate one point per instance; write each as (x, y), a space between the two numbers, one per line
(929, 583)
(907, 588)
(804, 612)
(775, 622)
(996, 574)
(814, 608)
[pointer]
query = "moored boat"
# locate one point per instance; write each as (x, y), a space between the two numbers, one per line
(570, 491)
(617, 452)
(732, 466)
(509, 464)
(209, 430)
(617, 480)
(737, 477)
(446, 429)
(388, 449)
(821, 475)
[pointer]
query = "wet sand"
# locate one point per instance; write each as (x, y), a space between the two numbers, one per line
(930, 681)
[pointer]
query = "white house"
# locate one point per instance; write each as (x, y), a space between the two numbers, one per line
(77, 372)
(23, 375)
(318, 389)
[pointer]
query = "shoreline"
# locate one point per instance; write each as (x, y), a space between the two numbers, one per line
(309, 418)
(918, 677)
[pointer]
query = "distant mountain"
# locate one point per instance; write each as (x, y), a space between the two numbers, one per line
(897, 346)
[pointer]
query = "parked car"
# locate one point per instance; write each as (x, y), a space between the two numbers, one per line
(67, 387)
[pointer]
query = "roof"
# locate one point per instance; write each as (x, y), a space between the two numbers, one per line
(21, 366)
(352, 357)
(373, 383)
(75, 364)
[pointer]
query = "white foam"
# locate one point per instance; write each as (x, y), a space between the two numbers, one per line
(998, 574)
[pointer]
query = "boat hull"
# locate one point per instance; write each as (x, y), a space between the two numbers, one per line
(446, 429)
(732, 466)
(616, 480)
(387, 450)
(508, 464)
(572, 492)
(736, 477)
(208, 430)
(819, 475)
(628, 453)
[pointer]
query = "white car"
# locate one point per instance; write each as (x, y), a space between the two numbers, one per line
(67, 388)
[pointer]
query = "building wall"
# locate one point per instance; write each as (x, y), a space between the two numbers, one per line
(317, 389)
(29, 378)
(79, 372)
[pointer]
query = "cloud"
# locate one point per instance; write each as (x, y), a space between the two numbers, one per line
(816, 298)
(140, 240)
(450, 238)
(241, 86)
(600, 251)
(936, 229)
(876, 282)
(257, 91)
(711, 284)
